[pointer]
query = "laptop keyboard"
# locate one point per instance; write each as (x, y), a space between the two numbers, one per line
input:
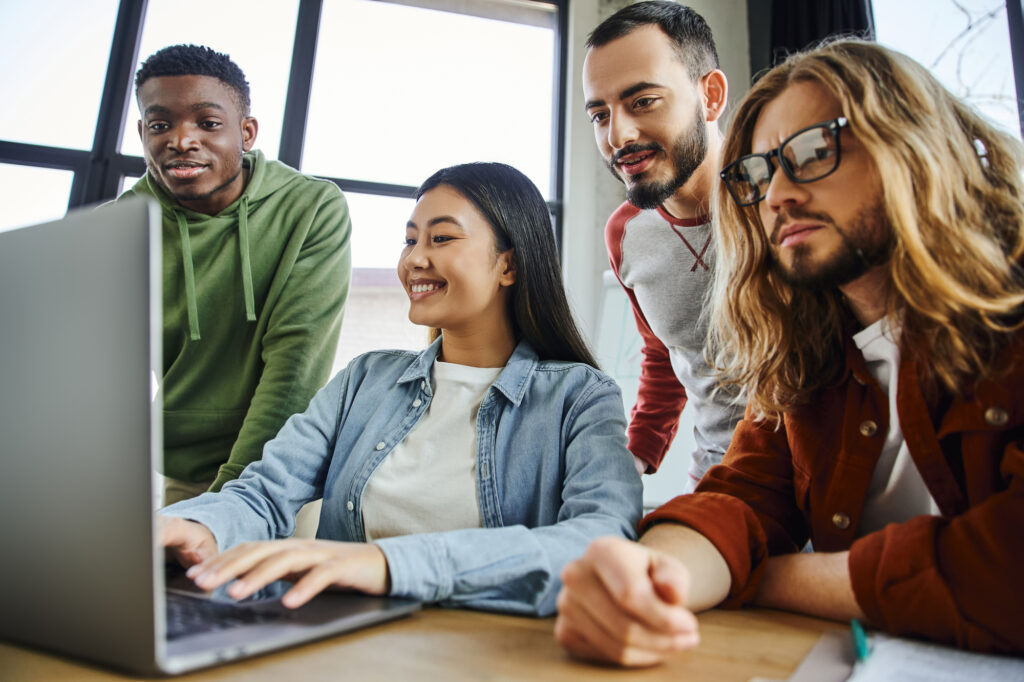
(190, 616)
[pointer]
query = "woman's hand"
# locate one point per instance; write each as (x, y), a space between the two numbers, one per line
(315, 564)
(187, 541)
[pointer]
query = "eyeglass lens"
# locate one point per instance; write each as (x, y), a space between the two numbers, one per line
(808, 155)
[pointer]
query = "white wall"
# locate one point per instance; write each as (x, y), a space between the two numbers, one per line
(591, 194)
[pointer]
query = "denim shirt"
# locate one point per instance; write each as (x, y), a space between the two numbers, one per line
(552, 474)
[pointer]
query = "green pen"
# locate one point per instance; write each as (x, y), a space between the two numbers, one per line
(860, 640)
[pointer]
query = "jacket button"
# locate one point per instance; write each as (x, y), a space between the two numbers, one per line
(417, 402)
(349, 505)
(840, 521)
(868, 428)
(381, 445)
(996, 416)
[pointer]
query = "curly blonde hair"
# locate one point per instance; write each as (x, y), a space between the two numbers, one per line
(951, 191)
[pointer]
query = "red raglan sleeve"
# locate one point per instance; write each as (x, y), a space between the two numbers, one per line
(660, 397)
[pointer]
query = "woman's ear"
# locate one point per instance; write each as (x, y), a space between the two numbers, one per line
(508, 267)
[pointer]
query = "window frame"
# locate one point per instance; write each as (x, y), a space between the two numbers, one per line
(1015, 20)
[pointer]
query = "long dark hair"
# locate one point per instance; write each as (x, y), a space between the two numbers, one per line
(518, 215)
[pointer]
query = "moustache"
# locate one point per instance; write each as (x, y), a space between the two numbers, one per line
(787, 215)
(636, 149)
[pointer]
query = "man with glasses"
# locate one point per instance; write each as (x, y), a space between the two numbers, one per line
(869, 296)
(654, 94)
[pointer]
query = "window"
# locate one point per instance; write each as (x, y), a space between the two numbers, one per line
(394, 98)
(54, 71)
(376, 315)
(966, 45)
(258, 39)
(48, 188)
(374, 95)
(51, 90)
(127, 181)
(399, 92)
(481, 80)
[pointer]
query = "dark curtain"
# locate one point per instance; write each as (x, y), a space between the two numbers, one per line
(799, 24)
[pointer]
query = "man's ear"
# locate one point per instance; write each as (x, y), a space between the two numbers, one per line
(714, 90)
(508, 266)
(250, 126)
(140, 131)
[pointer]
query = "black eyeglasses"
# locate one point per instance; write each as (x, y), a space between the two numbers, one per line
(805, 156)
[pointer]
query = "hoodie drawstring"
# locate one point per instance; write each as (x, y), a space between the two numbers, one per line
(243, 246)
(190, 277)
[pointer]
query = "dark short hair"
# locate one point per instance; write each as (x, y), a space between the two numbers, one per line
(195, 60)
(519, 217)
(687, 29)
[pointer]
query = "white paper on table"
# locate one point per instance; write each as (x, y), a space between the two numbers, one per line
(904, 660)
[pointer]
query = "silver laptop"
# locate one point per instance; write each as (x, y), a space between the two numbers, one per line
(80, 435)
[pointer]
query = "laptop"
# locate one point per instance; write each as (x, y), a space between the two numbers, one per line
(80, 436)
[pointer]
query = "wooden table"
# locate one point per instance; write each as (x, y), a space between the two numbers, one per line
(440, 644)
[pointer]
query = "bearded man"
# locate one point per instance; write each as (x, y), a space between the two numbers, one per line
(869, 297)
(654, 94)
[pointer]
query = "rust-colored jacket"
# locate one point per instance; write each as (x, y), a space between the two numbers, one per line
(956, 578)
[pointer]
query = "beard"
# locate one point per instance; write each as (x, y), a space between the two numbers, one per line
(687, 154)
(866, 244)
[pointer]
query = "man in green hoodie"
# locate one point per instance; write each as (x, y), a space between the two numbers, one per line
(255, 270)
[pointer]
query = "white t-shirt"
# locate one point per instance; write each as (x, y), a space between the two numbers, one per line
(897, 492)
(428, 482)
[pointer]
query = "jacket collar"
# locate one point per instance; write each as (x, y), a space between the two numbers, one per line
(512, 381)
(855, 366)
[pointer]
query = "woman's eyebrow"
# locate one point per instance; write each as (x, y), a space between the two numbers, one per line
(444, 219)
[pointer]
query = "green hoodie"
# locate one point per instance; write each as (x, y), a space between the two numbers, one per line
(253, 299)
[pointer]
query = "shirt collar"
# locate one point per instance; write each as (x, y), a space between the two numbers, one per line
(511, 382)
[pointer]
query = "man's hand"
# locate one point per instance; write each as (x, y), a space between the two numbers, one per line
(625, 603)
(187, 541)
(314, 564)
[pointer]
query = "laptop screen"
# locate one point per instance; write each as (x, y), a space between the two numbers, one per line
(79, 308)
